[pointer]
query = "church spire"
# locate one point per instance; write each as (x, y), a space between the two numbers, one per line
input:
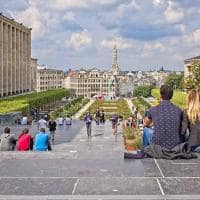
(115, 67)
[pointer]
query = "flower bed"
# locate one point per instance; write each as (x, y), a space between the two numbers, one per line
(117, 106)
(132, 138)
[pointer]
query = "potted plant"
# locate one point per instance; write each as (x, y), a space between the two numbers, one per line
(132, 138)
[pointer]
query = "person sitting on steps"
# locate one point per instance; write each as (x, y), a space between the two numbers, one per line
(166, 118)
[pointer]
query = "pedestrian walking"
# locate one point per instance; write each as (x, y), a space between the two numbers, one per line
(88, 121)
(97, 116)
(42, 123)
(52, 128)
(136, 113)
(102, 116)
(114, 119)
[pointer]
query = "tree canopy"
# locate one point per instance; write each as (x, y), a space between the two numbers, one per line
(175, 80)
(143, 90)
(192, 81)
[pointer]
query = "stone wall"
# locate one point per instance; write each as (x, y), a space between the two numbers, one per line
(10, 118)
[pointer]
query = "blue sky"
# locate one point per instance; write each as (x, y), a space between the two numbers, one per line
(80, 33)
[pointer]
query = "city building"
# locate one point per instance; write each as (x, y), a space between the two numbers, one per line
(94, 82)
(90, 83)
(33, 74)
(49, 79)
(15, 57)
(187, 64)
(115, 67)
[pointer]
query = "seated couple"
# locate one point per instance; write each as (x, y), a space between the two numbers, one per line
(171, 125)
(8, 141)
(168, 139)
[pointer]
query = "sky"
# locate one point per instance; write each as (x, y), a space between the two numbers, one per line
(74, 34)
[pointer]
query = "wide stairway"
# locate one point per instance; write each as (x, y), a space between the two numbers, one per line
(79, 168)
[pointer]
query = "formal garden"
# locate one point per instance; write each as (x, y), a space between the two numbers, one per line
(110, 107)
(23, 103)
(69, 108)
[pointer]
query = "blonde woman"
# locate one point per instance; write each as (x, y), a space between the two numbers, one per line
(191, 120)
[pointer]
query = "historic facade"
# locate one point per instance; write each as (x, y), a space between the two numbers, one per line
(187, 64)
(115, 67)
(33, 74)
(49, 79)
(94, 82)
(15, 57)
(90, 83)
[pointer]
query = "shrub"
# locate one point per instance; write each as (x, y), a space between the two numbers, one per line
(143, 91)
(24, 102)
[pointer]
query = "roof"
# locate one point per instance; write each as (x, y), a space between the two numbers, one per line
(11, 20)
(193, 58)
(130, 74)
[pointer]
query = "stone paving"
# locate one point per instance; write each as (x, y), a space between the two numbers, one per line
(79, 168)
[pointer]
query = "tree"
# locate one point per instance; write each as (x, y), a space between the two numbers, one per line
(192, 81)
(175, 80)
(143, 90)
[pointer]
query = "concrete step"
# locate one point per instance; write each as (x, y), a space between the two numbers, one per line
(100, 197)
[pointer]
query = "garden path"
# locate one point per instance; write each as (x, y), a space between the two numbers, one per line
(83, 109)
(131, 105)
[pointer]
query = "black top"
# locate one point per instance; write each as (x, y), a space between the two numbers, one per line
(194, 130)
(52, 126)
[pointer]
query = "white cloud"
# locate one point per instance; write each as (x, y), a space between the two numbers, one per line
(79, 40)
(121, 43)
(124, 8)
(193, 37)
(32, 18)
(69, 16)
(150, 48)
(181, 27)
(156, 3)
(173, 14)
(70, 4)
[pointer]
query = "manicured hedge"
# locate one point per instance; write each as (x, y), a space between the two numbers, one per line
(24, 102)
(70, 108)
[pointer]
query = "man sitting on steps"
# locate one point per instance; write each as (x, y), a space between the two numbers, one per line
(166, 118)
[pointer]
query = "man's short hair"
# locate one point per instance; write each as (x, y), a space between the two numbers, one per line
(166, 92)
(7, 130)
(42, 130)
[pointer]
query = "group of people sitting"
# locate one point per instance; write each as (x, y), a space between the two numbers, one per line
(171, 125)
(170, 132)
(25, 141)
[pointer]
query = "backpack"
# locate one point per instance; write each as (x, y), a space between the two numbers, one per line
(4, 139)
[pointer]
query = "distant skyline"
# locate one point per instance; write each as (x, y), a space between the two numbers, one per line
(81, 33)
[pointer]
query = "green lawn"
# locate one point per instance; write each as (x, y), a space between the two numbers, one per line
(179, 97)
(110, 107)
(24, 102)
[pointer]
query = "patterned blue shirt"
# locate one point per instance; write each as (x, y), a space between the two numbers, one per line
(166, 119)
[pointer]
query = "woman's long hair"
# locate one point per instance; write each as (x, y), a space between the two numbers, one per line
(193, 103)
